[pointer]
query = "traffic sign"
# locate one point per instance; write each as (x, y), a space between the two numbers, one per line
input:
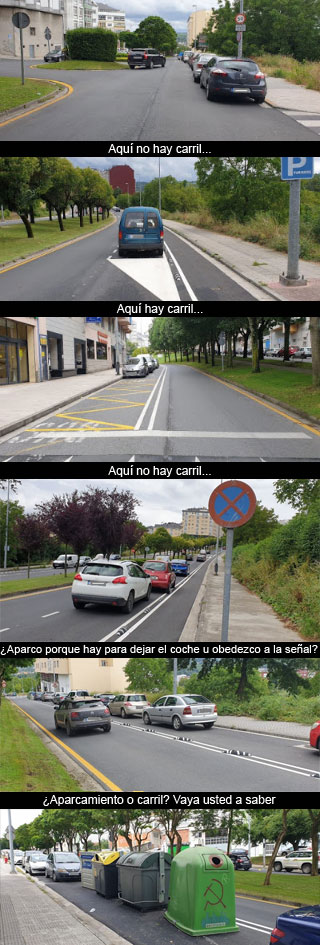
(232, 504)
(240, 18)
(296, 168)
(241, 27)
(20, 20)
(47, 33)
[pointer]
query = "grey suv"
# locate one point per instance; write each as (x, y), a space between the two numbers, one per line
(76, 713)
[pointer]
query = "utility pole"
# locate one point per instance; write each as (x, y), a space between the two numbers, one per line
(160, 186)
(6, 547)
(175, 677)
(13, 869)
(216, 567)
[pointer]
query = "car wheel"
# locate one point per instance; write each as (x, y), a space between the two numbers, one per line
(160, 252)
(78, 605)
(131, 67)
(306, 868)
(123, 714)
(148, 594)
(277, 867)
(69, 730)
(54, 877)
(56, 723)
(176, 723)
(209, 94)
(258, 101)
(146, 718)
(122, 251)
(163, 64)
(169, 588)
(128, 607)
(208, 724)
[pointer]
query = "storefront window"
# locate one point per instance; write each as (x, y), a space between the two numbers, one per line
(3, 361)
(90, 349)
(102, 352)
(13, 364)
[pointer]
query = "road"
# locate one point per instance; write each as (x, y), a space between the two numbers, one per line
(90, 270)
(140, 105)
(49, 617)
(134, 757)
(255, 919)
(176, 414)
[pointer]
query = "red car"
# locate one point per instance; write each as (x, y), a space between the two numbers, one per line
(315, 736)
(292, 350)
(161, 574)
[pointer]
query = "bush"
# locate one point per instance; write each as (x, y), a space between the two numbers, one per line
(93, 44)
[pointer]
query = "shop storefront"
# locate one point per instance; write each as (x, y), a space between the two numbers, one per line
(98, 344)
(18, 350)
(66, 346)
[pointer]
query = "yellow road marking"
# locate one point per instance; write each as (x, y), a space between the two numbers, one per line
(258, 401)
(116, 426)
(86, 764)
(45, 104)
(126, 403)
(54, 249)
(266, 901)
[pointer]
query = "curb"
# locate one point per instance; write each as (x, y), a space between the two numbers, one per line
(248, 895)
(20, 424)
(34, 590)
(74, 768)
(190, 629)
(23, 109)
(33, 257)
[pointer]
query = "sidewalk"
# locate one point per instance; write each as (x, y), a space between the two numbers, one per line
(258, 264)
(244, 723)
(28, 402)
(286, 95)
(35, 914)
(251, 620)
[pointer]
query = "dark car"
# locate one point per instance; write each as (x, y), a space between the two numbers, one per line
(226, 75)
(146, 57)
(55, 55)
(162, 576)
(63, 866)
(82, 713)
(240, 860)
(106, 698)
(298, 927)
(140, 230)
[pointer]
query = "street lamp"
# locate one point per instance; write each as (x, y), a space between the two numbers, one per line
(160, 186)
(194, 7)
(6, 546)
(127, 186)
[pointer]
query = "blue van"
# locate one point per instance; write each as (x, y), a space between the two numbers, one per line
(140, 230)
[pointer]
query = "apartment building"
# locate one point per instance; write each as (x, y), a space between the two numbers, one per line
(174, 528)
(198, 522)
(95, 675)
(299, 334)
(109, 18)
(197, 22)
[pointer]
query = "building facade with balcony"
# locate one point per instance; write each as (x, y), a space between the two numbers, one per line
(111, 19)
(42, 14)
(197, 23)
(299, 334)
(95, 675)
(198, 522)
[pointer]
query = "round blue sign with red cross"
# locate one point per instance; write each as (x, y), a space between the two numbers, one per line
(232, 504)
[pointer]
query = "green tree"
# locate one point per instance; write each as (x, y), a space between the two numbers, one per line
(59, 191)
(23, 837)
(17, 192)
(242, 186)
(157, 33)
(262, 524)
(300, 493)
(8, 669)
(150, 675)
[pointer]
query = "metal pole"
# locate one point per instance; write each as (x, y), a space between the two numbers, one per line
(227, 587)
(160, 186)
(13, 869)
(294, 228)
(7, 527)
(240, 40)
(217, 546)
(175, 677)
(21, 51)
(117, 347)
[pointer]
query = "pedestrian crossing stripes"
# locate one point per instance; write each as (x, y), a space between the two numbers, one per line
(307, 119)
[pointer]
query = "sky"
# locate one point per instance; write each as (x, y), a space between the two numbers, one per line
(176, 13)
(18, 817)
(159, 501)
(182, 168)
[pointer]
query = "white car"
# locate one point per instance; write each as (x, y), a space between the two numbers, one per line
(62, 560)
(119, 583)
(297, 860)
(36, 863)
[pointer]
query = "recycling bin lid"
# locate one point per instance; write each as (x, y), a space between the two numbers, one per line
(150, 858)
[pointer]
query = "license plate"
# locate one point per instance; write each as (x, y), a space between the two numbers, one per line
(240, 90)
(96, 583)
(155, 579)
(135, 236)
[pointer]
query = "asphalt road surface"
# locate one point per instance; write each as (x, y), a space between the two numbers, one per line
(177, 413)
(91, 270)
(134, 757)
(255, 919)
(49, 617)
(140, 105)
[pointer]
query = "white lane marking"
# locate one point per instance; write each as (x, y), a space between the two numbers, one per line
(265, 930)
(174, 434)
(8, 460)
(262, 460)
(242, 282)
(5, 630)
(154, 274)
(132, 459)
(155, 410)
(69, 457)
(193, 297)
(54, 613)
(147, 405)
(145, 615)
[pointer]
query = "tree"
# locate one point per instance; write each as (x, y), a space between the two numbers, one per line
(32, 532)
(170, 820)
(156, 32)
(300, 493)
(242, 186)
(68, 517)
(8, 669)
(59, 191)
(263, 523)
(315, 343)
(150, 674)
(280, 839)
(315, 827)
(109, 512)
(23, 837)
(17, 192)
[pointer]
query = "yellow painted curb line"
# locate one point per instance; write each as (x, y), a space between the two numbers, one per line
(262, 403)
(54, 249)
(86, 764)
(45, 104)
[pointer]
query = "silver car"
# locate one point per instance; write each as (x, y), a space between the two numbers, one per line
(36, 863)
(180, 711)
(63, 866)
(198, 64)
(136, 367)
(128, 705)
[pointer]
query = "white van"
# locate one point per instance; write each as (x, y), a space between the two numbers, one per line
(70, 560)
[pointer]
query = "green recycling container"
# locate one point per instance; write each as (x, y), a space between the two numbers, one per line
(202, 892)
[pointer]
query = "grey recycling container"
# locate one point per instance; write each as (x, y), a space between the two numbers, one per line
(106, 875)
(144, 879)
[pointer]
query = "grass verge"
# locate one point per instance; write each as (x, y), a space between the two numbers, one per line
(26, 763)
(35, 584)
(305, 73)
(291, 889)
(12, 93)
(291, 388)
(14, 242)
(73, 64)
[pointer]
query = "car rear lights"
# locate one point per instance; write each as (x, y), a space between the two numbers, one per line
(78, 577)
(106, 712)
(218, 72)
(276, 935)
(75, 715)
(120, 234)
(120, 580)
(161, 234)
(259, 75)
(187, 710)
(145, 55)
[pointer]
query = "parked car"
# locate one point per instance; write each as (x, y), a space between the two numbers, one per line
(292, 349)
(297, 927)
(117, 583)
(34, 694)
(36, 863)
(202, 556)
(59, 697)
(146, 57)
(150, 363)
(115, 558)
(161, 574)
(70, 560)
(189, 556)
(224, 75)
(47, 696)
(140, 230)
(75, 693)
(156, 361)
(106, 698)
(136, 367)
(25, 856)
(315, 736)
(303, 352)
(270, 353)
(128, 705)
(198, 63)
(240, 860)
(180, 711)
(296, 860)
(63, 866)
(180, 566)
(193, 55)
(55, 55)
(77, 713)
(18, 857)
(186, 54)
(84, 560)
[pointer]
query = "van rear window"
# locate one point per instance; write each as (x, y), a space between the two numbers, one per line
(134, 219)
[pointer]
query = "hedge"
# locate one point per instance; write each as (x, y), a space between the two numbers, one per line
(95, 44)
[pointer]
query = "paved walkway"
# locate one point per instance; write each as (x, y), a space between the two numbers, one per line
(30, 401)
(35, 914)
(261, 265)
(244, 723)
(251, 620)
(286, 95)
